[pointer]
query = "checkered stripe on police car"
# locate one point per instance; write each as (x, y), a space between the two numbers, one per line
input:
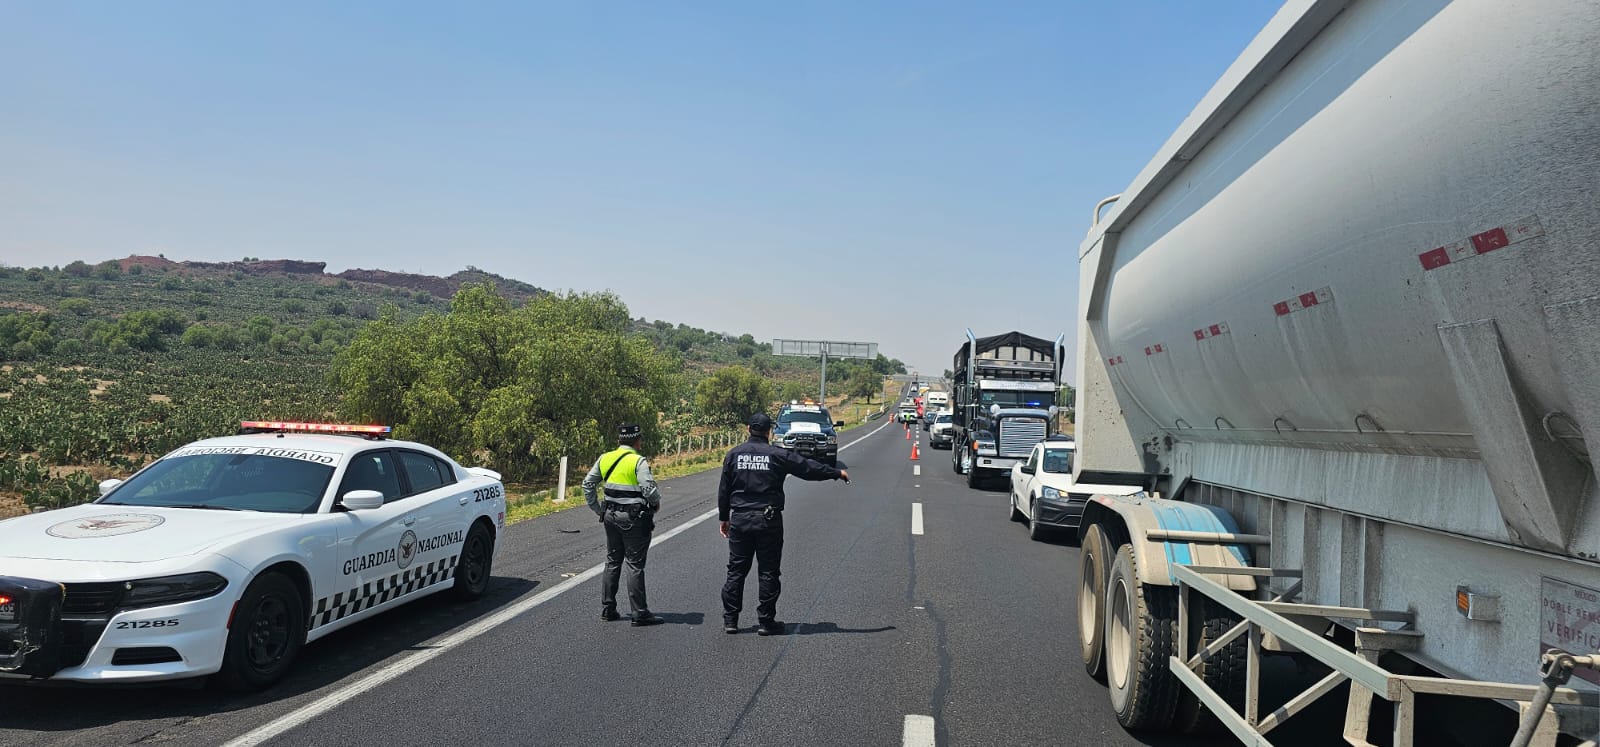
(371, 594)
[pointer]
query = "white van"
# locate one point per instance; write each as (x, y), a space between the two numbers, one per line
(936, 400)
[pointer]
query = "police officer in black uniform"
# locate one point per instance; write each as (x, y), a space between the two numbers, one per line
(750, 506)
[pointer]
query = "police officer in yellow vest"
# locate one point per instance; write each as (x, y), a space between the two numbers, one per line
(628, 512)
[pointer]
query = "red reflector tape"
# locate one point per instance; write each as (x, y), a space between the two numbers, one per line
(1318, 297)
(1498, 237)
(1199, 334)
(1432, 259)
(1204, 332)
(1490, 240)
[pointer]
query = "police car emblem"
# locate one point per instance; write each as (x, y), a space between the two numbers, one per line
(109, 525)
(407, 551)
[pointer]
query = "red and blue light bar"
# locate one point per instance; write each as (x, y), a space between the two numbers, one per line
(274, 425)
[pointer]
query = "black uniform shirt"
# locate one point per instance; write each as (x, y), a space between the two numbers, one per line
(753, 473)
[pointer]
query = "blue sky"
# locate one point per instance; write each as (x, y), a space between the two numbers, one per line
(889, 172)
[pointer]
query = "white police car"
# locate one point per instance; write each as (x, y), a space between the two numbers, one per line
(225, 556)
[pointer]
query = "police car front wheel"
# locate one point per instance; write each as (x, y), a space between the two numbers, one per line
(267, 631)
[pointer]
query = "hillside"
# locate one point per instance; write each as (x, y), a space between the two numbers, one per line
(104, 366)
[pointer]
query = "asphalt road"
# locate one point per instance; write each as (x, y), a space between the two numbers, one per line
(968, 625)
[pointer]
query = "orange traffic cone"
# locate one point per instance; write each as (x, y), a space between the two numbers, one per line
(915, 453)
(908, 432)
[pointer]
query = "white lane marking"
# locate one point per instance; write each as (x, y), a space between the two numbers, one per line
(918, 731)
(916, 518)
(327, 703)
(916, 469)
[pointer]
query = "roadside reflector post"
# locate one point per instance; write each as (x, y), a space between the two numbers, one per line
(561, 481)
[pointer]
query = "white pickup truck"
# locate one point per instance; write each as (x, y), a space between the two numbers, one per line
(1042, 490)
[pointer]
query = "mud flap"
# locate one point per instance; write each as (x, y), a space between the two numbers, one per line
(29, 623)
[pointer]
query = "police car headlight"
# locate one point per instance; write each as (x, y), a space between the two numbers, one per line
(1051, 494)
(154, 592)
(833, 439)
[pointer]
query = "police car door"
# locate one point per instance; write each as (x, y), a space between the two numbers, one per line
(444, 512)
(370, 541)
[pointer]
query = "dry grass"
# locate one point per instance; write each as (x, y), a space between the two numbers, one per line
(12, 505)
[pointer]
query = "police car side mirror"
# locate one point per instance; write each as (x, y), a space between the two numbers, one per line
(838, 423)
(1027, 470)
(107, 486)
(361, 500)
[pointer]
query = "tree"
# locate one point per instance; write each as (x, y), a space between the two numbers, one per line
(865, 383)
(515, 388)
(732, 395)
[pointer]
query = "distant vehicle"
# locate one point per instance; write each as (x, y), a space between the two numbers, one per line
(1003, 401)
(939, 432)
(1043, 493)
(937, 400)
(807, 428)
(907, 413)
(227, 555)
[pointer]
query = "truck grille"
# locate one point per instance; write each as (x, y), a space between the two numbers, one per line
(1017, 436)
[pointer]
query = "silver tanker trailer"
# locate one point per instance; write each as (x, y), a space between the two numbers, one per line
(1344, 329)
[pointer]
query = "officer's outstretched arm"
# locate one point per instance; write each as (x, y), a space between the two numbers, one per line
(809, 469)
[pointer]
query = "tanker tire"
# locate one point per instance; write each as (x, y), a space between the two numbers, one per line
(1092, 602)
(1141, 635)
(266, 633)
(1224, 672)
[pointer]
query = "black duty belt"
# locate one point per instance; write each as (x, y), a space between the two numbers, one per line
(629, 507)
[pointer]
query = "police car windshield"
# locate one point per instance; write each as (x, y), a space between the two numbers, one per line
(942, 419)
(241, 481)
(1058, 461)
(803, 416)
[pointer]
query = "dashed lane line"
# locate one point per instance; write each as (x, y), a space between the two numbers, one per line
(309, 711)
(919, 731)
(916, 518)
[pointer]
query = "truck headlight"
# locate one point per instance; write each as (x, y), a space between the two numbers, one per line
(833, 439)
(154, 592)
(985, 448)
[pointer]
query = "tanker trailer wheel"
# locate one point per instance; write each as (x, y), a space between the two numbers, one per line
(1141, 628)
(1224, 672)
(1094, 564)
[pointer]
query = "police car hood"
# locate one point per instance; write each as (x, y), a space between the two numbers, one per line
(804, 427)
(129, 534)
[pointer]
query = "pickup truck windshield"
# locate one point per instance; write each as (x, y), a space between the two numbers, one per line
(1058, 461)
(237, 482)
(794, 416)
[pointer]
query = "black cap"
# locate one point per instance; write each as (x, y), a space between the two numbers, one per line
(760, 422)
(628, 432)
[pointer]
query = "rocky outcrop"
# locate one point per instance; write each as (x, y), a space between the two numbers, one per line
(439, 287)
(294, 266)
